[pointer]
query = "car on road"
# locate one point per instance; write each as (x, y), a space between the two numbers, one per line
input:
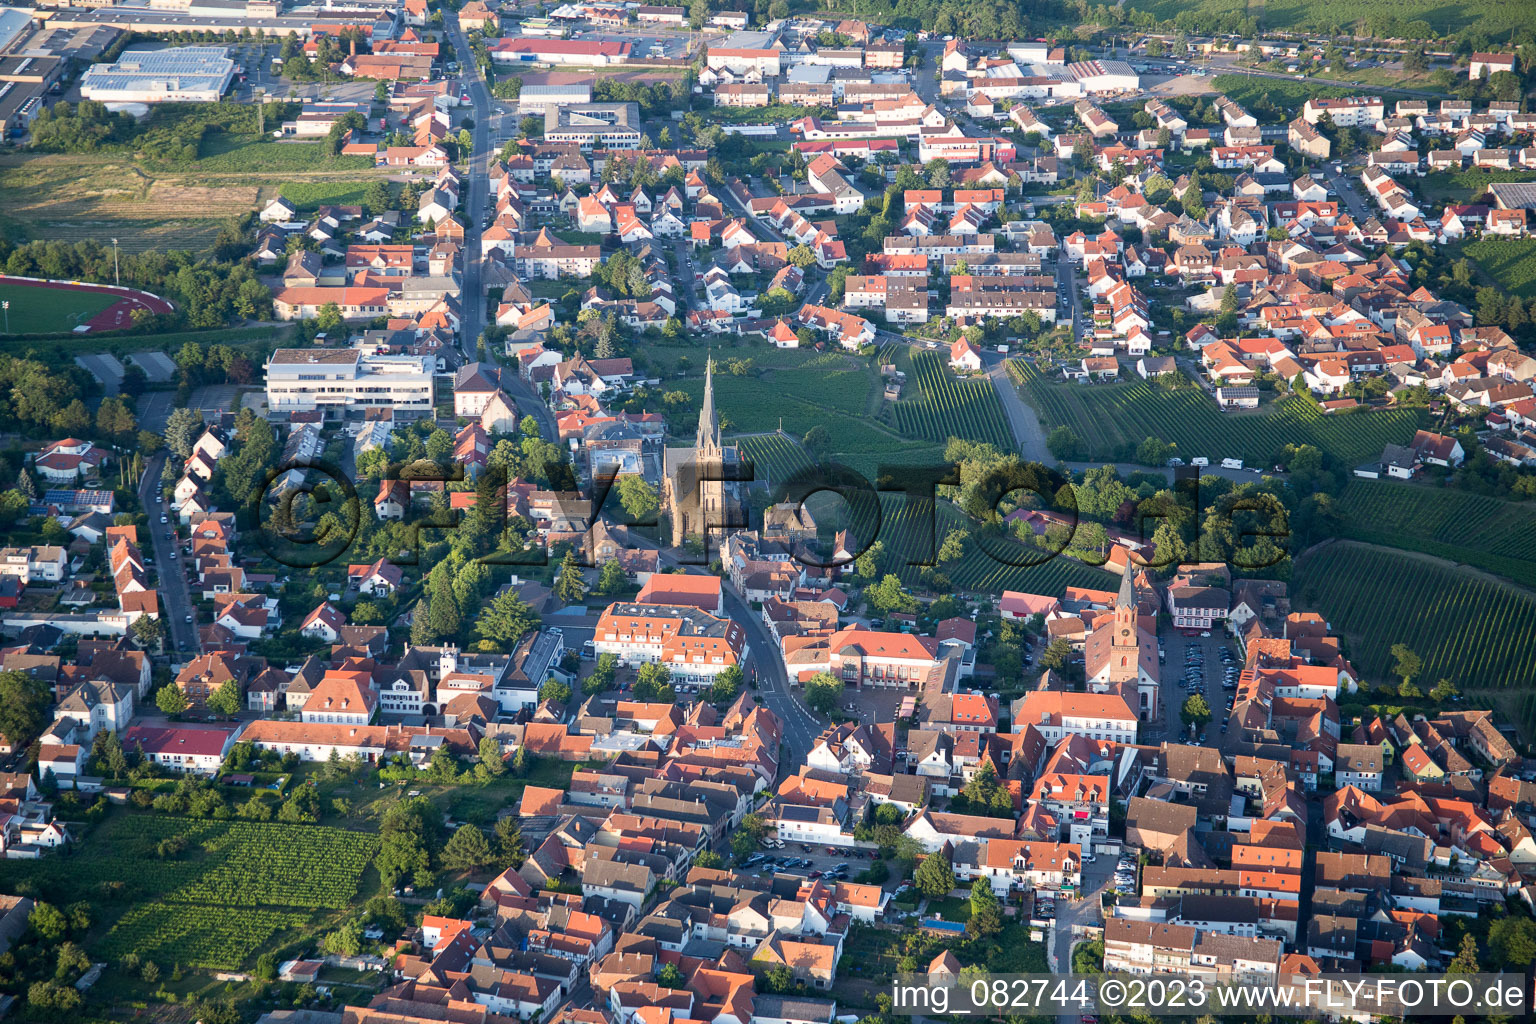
(189, 618)
(164, 520)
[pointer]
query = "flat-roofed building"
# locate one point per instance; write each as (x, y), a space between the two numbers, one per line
(536, 100)
(345, 382)
(188, 74)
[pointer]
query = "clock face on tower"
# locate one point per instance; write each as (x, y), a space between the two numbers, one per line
(1126, 633)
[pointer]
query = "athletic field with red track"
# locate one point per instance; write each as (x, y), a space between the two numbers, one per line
(58, 307)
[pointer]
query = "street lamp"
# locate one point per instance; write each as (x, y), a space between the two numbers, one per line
(117, 278)
(7, 305)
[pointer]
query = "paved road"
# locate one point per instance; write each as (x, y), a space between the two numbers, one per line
(800, 726)
(175, 599)
(1344, 190)
(1022, 421)
(475, 167)
(487, 118)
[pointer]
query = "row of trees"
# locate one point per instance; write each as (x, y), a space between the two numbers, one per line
(208, 290)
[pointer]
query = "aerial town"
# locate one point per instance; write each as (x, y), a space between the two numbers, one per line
(621, 514)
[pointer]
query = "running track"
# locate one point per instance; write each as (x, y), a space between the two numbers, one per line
(116, 317)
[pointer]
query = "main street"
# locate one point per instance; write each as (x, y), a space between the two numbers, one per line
(175, 599)
(487, 120)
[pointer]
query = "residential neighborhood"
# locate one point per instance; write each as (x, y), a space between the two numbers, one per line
(640, 515)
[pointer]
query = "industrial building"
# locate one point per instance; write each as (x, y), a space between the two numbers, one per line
(189, 74)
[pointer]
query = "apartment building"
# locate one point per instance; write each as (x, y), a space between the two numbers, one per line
(343, 382)
(695, 645)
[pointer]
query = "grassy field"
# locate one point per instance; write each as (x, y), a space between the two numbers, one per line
(70, 197)
(1480, 531)
(237, 889)
(1467, 627)
(1465, 185)
(221, 154)
(38, 310)
(1249, 89)
(1111, 419)
(307, 195)
(1511, 262)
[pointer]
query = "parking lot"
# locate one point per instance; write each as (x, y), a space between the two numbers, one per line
(810, 861)
(1206, 665)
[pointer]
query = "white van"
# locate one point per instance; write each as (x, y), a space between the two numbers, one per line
(1200, 460)
(1231, 463)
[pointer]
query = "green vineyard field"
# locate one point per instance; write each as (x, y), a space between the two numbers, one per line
(950, 407)
(1111, 419)
(1485, 532)
(905, 533)
(1476, 632)
(218, 902)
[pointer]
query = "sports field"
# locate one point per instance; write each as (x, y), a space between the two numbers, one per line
(36, 309)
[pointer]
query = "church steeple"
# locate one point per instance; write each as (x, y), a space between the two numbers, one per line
(1127, 598)
(708, 437)
(1125, 611)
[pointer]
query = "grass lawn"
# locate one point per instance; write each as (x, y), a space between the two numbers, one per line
(307, 195)
(1509, 261)
(37, 310)
(950, 908)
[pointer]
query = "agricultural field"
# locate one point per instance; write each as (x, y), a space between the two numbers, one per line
(1474, 630)
(222, 899)
(147, 205)
(1111, 419)
(1511, 262)
(1465, 185)
(1344, 17)
(1485, 532)
(775, 457)
(904, 529)
(36, 310)
(950, 407)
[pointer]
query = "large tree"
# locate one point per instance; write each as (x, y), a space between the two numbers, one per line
(226, 699)
(24, 706)
(824, 692)
(934, 877)
(182, 429)
(467, 850)
(506, 619)
(171, 700)
(637, 497)
(570, 587)
(1196, 711)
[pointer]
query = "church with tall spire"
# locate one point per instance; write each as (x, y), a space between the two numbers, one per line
(1121, 652)
(698, 494)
